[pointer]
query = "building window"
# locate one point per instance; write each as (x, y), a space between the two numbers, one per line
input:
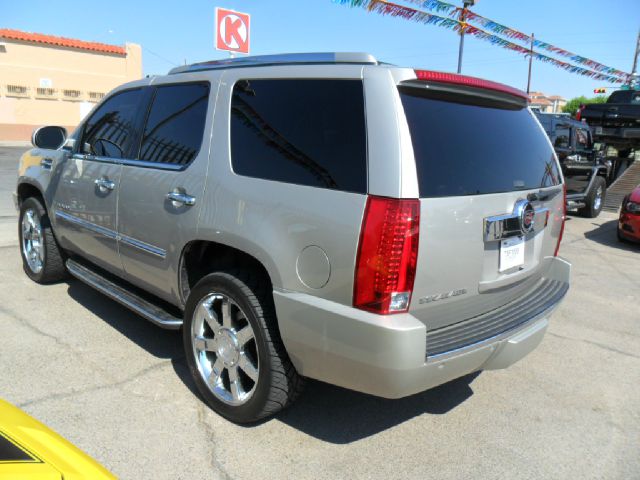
(45, 92)
(71, 94)
(17, 91)
(96, 96)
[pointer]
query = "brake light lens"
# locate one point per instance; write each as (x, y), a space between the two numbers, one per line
(564, 217)
(387, 255)
(465, 80)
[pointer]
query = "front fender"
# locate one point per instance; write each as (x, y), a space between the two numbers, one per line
(40, 169)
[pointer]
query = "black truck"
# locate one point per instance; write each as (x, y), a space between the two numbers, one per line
(617, 122)
(586, 170)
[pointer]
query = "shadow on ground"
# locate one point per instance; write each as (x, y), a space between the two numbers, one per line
(340, 416)
(158, 342)
(605, 234)
(326, 412)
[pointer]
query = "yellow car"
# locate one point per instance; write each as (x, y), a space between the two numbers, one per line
(31, 451)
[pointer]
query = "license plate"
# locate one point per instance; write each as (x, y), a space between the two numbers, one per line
(598, 131)
(511, 253)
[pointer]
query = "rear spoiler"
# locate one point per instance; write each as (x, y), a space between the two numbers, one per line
(447, 84)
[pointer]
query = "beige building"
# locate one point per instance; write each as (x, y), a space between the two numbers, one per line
(47, 80)
(547, 104)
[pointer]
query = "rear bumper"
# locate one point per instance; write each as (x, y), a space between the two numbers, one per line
(386, 355)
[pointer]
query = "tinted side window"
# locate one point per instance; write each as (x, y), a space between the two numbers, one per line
(582, 138)
(562, 136)
(175, 125)
(110, 130)
(469, 149)
(307, 132)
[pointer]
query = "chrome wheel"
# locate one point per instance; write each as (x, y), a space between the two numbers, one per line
(225, 349)
(598, 200)
(32, 240)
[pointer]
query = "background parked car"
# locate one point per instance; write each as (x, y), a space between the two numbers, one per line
(629, 222)
(586, 171)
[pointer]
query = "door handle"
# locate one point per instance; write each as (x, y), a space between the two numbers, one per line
(104, 184)
(179, 198)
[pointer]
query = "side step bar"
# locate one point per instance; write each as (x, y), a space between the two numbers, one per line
(142, 307)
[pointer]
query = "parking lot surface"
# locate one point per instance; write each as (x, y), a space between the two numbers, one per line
(118, 388)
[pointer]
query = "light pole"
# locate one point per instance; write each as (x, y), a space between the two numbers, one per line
(466, 4)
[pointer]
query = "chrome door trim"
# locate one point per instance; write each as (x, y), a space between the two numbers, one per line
(130, 162)
(107, 232)
(145, 247)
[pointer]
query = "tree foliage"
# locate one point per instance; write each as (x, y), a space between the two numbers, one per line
(573, 104)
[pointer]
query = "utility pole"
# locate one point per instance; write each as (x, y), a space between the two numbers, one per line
(634, 79)
(530, 62)
(465, 5)
(635, 56)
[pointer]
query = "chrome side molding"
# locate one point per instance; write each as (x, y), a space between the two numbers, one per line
(133, 302)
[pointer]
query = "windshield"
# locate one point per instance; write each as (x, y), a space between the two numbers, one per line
(468, 149)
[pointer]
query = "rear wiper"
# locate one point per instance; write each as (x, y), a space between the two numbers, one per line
(542, 196)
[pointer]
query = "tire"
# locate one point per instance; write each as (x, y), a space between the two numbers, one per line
(243, 378)
(42, 258)
(595, 199)
(624, 153)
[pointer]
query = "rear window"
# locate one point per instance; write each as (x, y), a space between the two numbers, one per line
(307, 132)
(625, 96)
(468, 149)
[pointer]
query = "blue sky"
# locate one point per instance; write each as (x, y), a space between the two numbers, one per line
(172, 32)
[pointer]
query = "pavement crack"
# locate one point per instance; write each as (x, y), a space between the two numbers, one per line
(96, 388)
(597, 344)
(217, 466)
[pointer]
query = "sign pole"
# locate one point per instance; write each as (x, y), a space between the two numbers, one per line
(530, 62)
(461, 49)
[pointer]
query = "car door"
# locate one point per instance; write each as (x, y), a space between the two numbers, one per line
(85, 202)
(160, 192)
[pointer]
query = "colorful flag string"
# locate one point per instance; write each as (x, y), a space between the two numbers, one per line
(602, 72)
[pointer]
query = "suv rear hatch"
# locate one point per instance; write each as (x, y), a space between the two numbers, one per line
(485, 167)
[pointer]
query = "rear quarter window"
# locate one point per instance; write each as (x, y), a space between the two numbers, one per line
(306, 132)
(471, 149)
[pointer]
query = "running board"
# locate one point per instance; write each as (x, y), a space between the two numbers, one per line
(139, 305)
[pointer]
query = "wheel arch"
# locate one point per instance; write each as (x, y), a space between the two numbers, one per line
(201, 257)
(27, 189)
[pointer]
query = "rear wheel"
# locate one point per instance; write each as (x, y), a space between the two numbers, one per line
(624, 153)
(42, 258)
(234, 350)
(595, 199)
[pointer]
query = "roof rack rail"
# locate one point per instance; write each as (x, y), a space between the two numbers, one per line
(282, 59)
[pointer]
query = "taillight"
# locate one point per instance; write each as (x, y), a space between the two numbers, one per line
(564, 217)
(387, 255)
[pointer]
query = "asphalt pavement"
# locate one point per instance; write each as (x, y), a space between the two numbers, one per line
(118, 388)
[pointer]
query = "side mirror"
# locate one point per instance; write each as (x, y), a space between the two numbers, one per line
(50, 138)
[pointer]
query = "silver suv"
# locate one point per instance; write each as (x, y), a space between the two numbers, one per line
(321, 215)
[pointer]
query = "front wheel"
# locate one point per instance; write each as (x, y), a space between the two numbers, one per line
(234, 350)
(595, 199)
(42, 258)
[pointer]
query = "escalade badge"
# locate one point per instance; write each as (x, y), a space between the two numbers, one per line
(442, 296)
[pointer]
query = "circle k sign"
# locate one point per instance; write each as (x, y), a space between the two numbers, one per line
(232, 30)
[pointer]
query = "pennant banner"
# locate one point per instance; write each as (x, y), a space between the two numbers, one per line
(453, 11)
